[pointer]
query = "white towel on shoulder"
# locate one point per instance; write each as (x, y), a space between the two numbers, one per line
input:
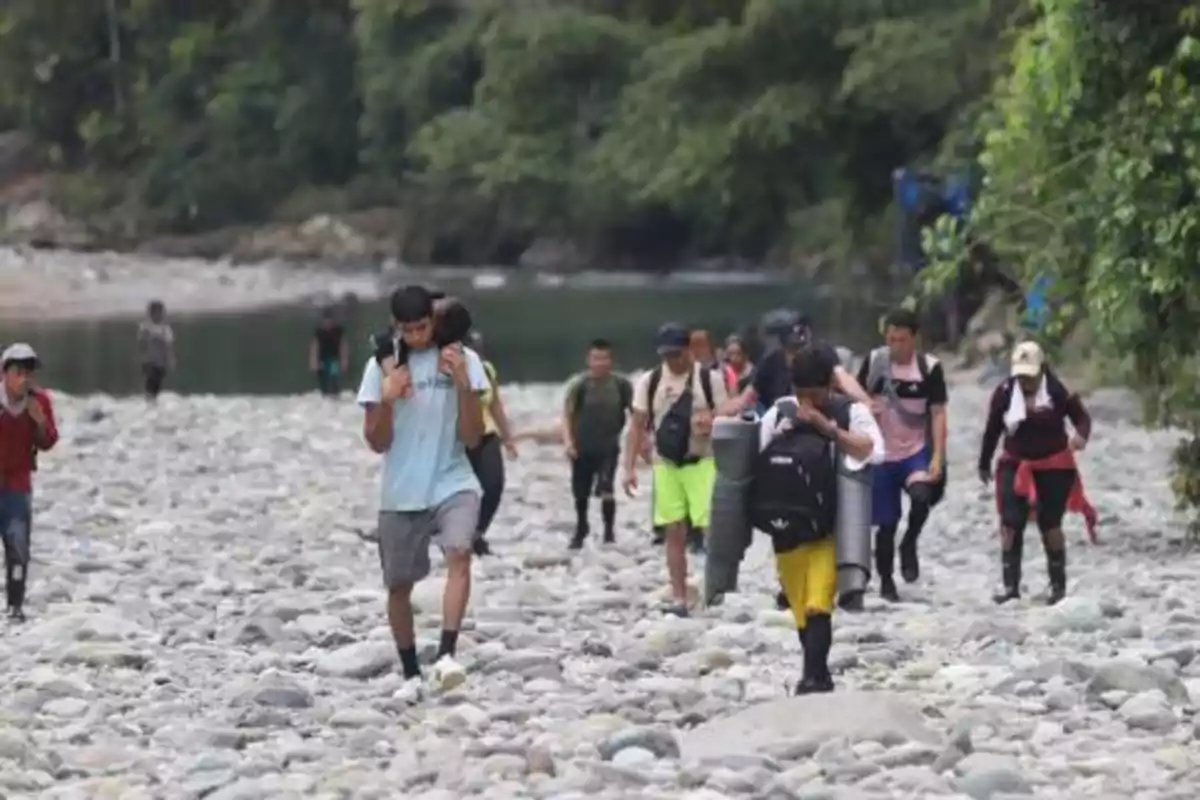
(1016, 412)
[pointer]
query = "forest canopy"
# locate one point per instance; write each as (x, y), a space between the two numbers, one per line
(640, 131)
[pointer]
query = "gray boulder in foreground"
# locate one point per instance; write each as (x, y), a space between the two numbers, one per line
(874, 716)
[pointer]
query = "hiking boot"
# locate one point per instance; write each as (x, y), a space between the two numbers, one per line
(1009, 593)
(910, 567)
(887, 590)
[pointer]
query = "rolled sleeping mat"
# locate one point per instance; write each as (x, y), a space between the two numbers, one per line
(735, 444)
(854, 530)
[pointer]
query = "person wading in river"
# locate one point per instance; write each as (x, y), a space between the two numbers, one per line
(679, 398)
(1036, 474)
(595, 406)
(486, 458)
(329, 354)
(26, 427)
(156, 349)
(422, 419)
(909, 398)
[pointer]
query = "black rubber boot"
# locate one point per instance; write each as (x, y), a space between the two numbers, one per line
(1056, 565)
(581, 533)
(1011, 572)
(818, 640)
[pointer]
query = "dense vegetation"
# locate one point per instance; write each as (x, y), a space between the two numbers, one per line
(637, 131)
(648, 131)
(1092, 151)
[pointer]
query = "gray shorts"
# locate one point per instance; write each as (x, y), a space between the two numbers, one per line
(405, 536)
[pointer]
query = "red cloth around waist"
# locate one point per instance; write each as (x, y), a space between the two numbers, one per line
(1025, 486)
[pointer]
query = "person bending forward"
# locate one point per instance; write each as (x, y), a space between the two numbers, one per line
(794, 498)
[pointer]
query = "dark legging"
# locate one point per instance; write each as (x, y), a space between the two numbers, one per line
(15, 530)
(1053, 490)
(488, 462)
(922, 497)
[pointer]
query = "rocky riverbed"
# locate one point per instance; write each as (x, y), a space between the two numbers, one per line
(206, 621)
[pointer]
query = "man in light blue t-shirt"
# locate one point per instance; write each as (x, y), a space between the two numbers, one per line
(421, 419)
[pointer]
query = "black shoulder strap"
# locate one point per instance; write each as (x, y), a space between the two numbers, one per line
(577, 392)
(706, 384)
(922, 366)
(652, 389)
(626, 391)
(839, 410)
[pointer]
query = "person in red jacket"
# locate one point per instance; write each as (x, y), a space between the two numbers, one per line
(26, 426)
(1036, 475)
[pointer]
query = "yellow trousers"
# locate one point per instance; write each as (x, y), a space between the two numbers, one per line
(808, 575)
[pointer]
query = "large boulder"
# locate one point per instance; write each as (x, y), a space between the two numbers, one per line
(857, 716)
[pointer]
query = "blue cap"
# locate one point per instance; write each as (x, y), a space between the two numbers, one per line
(672, 338)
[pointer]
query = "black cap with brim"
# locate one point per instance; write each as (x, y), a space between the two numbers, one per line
(672, 338)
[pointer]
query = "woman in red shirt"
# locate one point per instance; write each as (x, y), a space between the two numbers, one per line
(26, 426)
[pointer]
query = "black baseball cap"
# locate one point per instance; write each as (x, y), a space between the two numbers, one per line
(672, 338)
(799, 333)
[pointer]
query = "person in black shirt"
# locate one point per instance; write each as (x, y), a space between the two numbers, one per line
(772, 375)
(329, 354)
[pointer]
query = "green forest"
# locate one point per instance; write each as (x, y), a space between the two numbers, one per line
(642, 132)
(648, 132)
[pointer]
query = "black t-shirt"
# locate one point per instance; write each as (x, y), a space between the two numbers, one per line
(931, 388)
(329, 342)
(773, 375)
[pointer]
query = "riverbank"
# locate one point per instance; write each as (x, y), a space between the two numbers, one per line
(219, 628)
(59, 285)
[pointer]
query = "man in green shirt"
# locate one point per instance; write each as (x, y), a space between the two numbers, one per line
(596, 405)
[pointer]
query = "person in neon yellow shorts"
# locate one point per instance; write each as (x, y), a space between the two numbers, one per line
(680, 397)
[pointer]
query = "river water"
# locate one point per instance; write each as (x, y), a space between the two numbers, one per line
(532, 334)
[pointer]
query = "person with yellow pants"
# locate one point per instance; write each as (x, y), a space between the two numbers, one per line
(794, 492)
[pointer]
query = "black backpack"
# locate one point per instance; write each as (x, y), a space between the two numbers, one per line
(794, 483)
(673, 436)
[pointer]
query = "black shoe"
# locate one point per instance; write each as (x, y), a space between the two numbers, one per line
(781, 601)
(852, 602)
(814, 686)
(887, 590)
(609, 537)
(481, 547)
(1010, 593)
(16, 614)
(577, 541)
(677, 610)
(910, 567)
(1057, 593)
